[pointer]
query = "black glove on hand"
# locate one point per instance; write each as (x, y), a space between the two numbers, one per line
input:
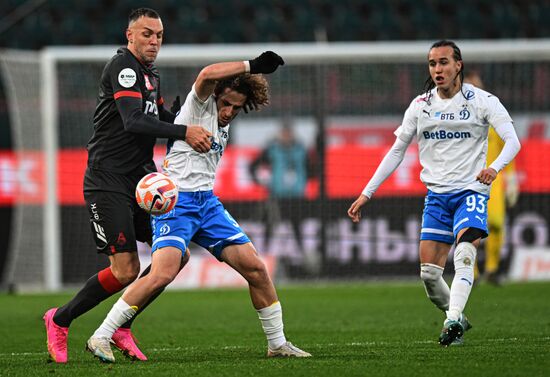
(267, 62)
(176, 106)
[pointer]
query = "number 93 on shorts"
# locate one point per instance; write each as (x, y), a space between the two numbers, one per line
(446, 214)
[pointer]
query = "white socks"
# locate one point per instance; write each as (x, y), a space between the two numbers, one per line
(270, 317)
(464, 261)
(434, 284)
(119, 314)
(272, 323)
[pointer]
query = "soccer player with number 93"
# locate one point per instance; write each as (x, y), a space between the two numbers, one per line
(451, 122)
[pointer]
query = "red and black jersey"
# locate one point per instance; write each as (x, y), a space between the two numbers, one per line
(128, 118)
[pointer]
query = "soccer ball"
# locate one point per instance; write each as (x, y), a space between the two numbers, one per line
(156, 193)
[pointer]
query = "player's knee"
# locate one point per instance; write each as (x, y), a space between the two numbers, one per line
(161, 279)
(126, 278)
(430, 273)
(256, 273)
(465, 256)
(126, 274)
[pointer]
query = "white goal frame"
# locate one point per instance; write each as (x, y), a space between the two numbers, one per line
(474, 51)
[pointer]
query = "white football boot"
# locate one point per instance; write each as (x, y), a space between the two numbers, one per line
(287, 350)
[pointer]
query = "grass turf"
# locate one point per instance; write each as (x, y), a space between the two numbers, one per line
(384, 329)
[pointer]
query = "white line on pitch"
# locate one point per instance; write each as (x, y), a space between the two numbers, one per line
(352, 344)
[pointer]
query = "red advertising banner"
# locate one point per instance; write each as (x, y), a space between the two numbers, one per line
(348, 168)
(22, 177)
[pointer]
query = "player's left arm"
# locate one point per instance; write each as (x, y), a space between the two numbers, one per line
(511, 185)
(209, 75)
(498, 116)
(509, 151)
(511, 147)
(267, 62)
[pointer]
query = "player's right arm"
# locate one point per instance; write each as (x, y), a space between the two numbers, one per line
(390, 162)
(388, 165)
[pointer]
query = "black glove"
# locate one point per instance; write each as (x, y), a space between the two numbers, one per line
(176, 106)
(267, 62)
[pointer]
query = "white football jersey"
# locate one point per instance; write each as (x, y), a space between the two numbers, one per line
(452, 137)
(191, 170)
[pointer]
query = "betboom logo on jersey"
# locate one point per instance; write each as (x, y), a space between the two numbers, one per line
(151, 108)
(443, 135)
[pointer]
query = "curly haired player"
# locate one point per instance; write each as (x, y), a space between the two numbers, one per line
(219, 93)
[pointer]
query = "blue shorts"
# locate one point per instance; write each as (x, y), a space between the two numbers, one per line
(199, 217)
(445, 215)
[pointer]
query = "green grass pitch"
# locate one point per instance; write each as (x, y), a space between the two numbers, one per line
(373, 329)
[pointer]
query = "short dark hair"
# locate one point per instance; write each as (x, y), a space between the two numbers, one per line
(142, 12)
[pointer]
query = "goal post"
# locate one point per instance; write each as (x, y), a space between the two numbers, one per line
(476, 51)
(27, 253)
(52, 223)
(355, 93)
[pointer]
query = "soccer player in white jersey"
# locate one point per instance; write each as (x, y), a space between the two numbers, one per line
(219, 93)
(450, 121)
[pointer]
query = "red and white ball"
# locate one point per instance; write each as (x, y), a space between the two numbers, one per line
(156, 193)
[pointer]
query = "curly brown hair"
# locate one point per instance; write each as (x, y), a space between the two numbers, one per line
(254, 87)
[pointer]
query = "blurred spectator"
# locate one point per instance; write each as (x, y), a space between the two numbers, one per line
(286, 160)
(70, 22)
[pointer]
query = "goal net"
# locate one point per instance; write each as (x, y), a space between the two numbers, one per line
(340, 103)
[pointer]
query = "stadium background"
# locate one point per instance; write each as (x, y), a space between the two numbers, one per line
(355, 107)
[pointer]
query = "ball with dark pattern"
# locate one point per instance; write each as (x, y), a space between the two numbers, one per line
(156, 193)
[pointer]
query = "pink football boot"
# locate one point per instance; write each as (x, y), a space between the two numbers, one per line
(126, 343)
(56, 338)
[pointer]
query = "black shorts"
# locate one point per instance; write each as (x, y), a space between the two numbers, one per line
(117, 222)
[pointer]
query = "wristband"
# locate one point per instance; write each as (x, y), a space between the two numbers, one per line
(246, 66)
